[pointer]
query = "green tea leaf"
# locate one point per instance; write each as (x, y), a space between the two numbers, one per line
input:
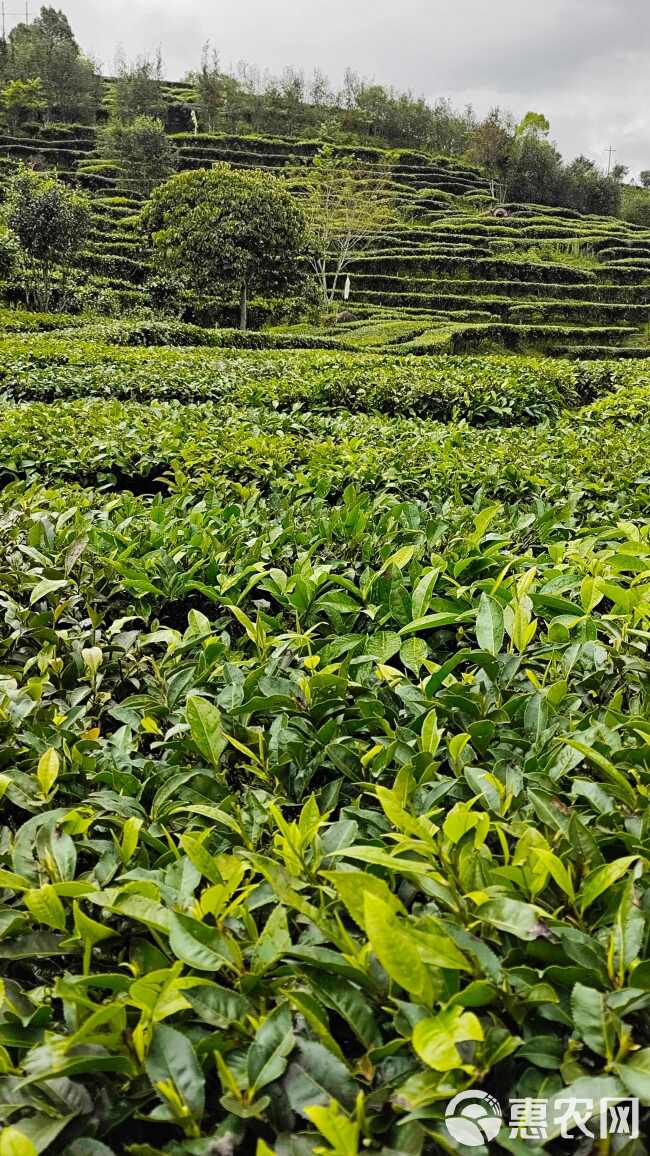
(435, 1039)
(602, 878)
(490, 629)
(175, 1072)
(395, 949)
(201, 946)
(205, 727)
(268, 1054)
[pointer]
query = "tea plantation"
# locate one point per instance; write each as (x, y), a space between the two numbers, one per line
(324, 741)
(324, 688)
(446, 276)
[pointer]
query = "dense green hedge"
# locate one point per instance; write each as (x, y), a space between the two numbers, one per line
(497, 391)
(585, 291)
(96, 439)
(477, 268)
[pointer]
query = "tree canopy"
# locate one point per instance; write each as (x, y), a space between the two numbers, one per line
(523, 165)
(47, 49)
(50, 222)
(143, 150)
(22, 99)
(138, 89)
(228, 231)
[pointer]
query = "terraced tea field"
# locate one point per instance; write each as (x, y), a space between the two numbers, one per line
(324, 730)
(447, 277)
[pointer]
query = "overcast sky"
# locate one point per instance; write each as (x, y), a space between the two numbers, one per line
(584, 63)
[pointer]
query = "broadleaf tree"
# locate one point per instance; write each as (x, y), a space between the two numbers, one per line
(211, 88)
(491, 148)
(145, 154)
(137, 89)
(50, 222)
(47, 49)
(533, 124)
(22, 99)
(228, 231)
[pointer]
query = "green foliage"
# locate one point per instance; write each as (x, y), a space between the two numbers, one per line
(291, 103)
(143, 151)
(588, 191)
(22, 100)
(524, 166)
(490, 147)
(534, 171)
(536, 174)
(480, 391)
(323, 742)
(346, 207)
(46, 49)
(226, 229)
(50, 222)
(212, 89)
(324, 707)
(533, 124)
(636, 205)
(137, 90)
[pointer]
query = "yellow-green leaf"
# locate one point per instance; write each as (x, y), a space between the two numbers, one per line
(48, 770)
(396, 950)
(46, 907)
(435, 1039)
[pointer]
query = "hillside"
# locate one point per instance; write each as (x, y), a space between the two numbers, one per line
(324, 665)
(450, 277)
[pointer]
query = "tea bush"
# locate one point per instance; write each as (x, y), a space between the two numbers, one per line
(324, 745)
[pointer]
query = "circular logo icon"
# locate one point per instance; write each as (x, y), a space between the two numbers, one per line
(473, 1117)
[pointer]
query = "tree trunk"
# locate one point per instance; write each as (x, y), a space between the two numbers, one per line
(44, 290)
(335, 282)
(243, 308)
(323, 283)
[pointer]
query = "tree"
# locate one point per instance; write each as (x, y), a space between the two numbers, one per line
(533, 124)
(345, 206)
(619, 173)
(47, 49)
(491, 148)
(143, 151)
(211, 88)
(22, 99)
(320, 93)
(645, 178)
(50, 222)
(534, 174)
(636, 205)
(588, 190)
(228, 230)
(137, 90)
(451, 132)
